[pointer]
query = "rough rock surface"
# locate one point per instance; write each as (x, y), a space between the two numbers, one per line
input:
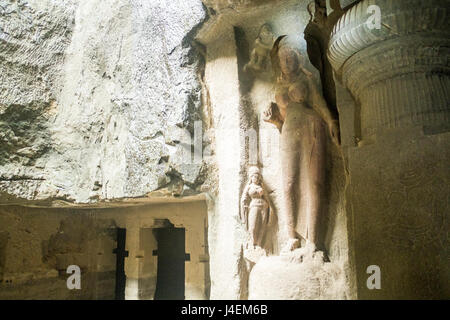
(95, 106)
(297, 275)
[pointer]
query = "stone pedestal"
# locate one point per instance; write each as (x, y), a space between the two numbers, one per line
(297, 275)
(398, 167)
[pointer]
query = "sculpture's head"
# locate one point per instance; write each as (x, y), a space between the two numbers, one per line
(266, 34)
(254, 175)
(287, 60)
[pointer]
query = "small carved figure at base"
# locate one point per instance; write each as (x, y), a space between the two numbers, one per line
(256, 207)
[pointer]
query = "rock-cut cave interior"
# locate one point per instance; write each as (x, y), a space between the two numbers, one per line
(224, 150)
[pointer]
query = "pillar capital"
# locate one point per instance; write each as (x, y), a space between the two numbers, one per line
(398, 73)
(418, 24)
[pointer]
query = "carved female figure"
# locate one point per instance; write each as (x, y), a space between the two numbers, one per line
(256, 213)
(302, 115)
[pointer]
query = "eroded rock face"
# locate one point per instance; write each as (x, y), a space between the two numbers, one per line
(33, 38)
(93, 105)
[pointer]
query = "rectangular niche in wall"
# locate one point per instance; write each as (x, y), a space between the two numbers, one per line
(170, 280)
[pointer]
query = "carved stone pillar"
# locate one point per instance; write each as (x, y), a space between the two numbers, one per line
(399, 175)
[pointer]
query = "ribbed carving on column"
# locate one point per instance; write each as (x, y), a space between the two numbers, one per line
(398, 17)
(396, 57)
(423, 101)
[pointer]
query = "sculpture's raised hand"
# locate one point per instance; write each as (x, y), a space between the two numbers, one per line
(272, 115)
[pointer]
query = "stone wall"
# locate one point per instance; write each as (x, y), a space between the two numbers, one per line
(94, 107)
(38, 245)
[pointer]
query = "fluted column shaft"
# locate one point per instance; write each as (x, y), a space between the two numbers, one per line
(399, 176)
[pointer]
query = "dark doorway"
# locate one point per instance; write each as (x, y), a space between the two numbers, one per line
(171, 259)
(121, 254)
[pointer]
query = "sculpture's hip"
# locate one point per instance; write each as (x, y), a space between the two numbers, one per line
(301, 124)
(259, 203)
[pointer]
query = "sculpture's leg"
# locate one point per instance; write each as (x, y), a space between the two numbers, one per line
(262, 216)
(312, 180)
(255, 225)
(290, 174)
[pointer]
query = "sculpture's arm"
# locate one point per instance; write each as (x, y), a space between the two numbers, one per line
(273, 115)
(244, 205)
(320, 105)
